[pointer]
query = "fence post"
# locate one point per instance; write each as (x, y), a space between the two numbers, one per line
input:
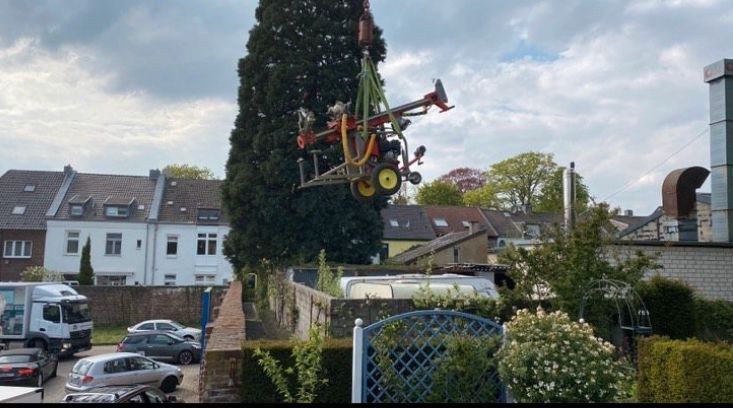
(356, 363)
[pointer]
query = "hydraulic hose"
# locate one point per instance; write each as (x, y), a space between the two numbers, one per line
(345, 144)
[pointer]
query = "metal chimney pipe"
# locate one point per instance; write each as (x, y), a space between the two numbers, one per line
(569, 197)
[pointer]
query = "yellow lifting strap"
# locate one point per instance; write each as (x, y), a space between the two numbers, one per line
(345, 144)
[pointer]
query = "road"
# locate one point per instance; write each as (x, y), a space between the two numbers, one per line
(54, 388)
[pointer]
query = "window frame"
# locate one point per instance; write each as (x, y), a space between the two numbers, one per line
(66, 242)
(171, 239)
(13, 249)
(19, 210)
(207, 239)
(440, 222)
(120, 211)
(73, 207)
(112, 240)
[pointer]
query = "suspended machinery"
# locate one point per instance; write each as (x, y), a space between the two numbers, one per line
(374, 147)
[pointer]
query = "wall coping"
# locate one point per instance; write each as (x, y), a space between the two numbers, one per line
(695, 244)
(228, 329)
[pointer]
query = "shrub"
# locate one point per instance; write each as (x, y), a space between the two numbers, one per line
(40, 274)
(329, 282)
(257, 387)
(714, 320)
(671, 305)
(684, 371)
(550, 358)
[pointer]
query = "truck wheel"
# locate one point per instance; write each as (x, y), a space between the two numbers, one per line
(39, 343)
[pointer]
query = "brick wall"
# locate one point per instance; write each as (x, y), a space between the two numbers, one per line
(127, 305)
(707, 267)
(10, 268)
(220, 368)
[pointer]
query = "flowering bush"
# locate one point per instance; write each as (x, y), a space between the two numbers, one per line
(550, 358)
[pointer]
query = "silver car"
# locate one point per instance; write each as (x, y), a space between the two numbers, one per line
(122, 369)
(188, 333)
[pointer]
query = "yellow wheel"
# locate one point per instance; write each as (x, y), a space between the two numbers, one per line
(386, 179)
(363, 189)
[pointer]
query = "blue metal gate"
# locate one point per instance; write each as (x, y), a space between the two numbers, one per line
(394, 359)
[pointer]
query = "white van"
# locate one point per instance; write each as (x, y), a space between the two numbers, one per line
(404, 286)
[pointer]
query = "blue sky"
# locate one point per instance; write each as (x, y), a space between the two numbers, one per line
(616, 86)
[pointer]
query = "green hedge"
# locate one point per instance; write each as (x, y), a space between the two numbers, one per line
(257, 387)
(714, 320)
(671, 305)
(684, 371)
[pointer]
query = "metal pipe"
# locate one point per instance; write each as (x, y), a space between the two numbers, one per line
(569, 197)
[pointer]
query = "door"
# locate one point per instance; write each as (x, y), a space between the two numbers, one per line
(165, 326)
(142, 371)
(158, 347)
(50, 323)
(116, 372)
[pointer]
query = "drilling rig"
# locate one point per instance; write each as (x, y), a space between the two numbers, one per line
(375, 149)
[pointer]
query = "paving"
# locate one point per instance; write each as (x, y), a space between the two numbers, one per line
(54, 388)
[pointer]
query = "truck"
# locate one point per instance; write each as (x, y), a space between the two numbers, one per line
(47, 315)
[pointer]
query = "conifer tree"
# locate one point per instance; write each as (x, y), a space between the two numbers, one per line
(300, 53)
(86, 273)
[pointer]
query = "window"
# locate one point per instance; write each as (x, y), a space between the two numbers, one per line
(394, 223)
(115, 366)
(533, 230)
(159, 339)
(208, 215)
(206, 244)
(172, 246)
(139, 363)
(77, 210)
(166, 326)
(137, 399)
(134, 340)
(19, 210)
(456, 254)
(72, 242)
(466, 224)
(114, 244)
(116, 211)
(146, 326)
(29, 188)
(384, 252)
(51, 313)
(17, 249)
(440, 222)
(170, 280)
(139, 243)
(111, 280)
(153, 397)
(205, 279)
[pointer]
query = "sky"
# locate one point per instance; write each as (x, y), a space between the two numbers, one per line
(614, 86)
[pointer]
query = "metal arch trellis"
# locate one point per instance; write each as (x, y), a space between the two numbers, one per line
(421, 340)
(633, 316)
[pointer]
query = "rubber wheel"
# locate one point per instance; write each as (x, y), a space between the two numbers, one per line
(185, 358)
(386, 179)
(169, 384)
(55, 369)
(363, 189)
(414, 178)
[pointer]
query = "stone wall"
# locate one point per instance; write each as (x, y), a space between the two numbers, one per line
(219, 374)
(707, 267)
(127, 305)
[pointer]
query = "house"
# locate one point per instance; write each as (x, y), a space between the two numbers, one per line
(24, 198)
(453, 247)
(114, 212)
(660, 227)
(405, 226)
(189, 235)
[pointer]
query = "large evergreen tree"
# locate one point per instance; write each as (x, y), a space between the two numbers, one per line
(86, 272)
(299, 53)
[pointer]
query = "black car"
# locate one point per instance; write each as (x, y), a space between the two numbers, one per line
(162, 345)
(29, 367)
(143, 394)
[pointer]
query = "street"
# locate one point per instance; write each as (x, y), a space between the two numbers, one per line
(54, 388)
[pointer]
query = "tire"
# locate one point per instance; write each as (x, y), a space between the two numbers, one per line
(414, 177)
(363, 189)
(185, 357)
(386, 179)
(189, 338)
(169, 384)
(55, 369)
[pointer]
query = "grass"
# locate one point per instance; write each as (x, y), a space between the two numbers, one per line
(102, 336)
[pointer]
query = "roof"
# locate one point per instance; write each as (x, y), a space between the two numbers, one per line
(435, 245)
(503, 224)
(149, 332)
(103, 187)
(455, 216)
(704, 198)
(470, 267)
(190, 195)
(412, 220)
(109, 356)
(36, 202)
(646, 220)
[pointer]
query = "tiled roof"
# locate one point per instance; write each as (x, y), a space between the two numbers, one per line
(103, 187)
(36, 202)
(503, 224)
(435, 245)
(191, 195)
(412, 221)
(455, 216)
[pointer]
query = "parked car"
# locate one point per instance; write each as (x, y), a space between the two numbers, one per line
(30, 367)
(122, 369)
(144, 394)
(189, 333)
(162, 345)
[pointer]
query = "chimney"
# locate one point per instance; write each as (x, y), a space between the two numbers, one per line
(569, 197)
(68, 170)
(154, 174)
(629, 213)
(472, 227)
(720, 77)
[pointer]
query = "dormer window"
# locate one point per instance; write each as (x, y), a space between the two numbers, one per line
(114, 211)
(394, 223)
(466, 224)
(78, 205)
(29, 188)
(118, 207)
(208, 214)
(440, 222)
(76, 210)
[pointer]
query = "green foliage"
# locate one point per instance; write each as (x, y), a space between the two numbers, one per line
(519, 180)
(551, 195)
(453, 299)
(564, 264)
(671, 305)
(86, 272)
(40, 274)
(307, 369)
(714, 320)
(186, 171)
(439, 193)
(328, 281)
(290, 63)
(257, 387)
(465, 178)
(486, 196)
(550, 358)
(676, 371)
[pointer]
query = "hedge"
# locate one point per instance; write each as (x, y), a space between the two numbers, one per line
(714, 320)
(257, 387)
(671, 305)
(684, 371)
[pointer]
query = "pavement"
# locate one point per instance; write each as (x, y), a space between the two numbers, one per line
(54, 388)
